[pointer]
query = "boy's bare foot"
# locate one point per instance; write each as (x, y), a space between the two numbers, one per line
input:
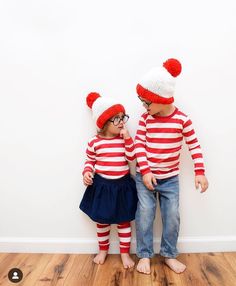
(100, 257)
(144, 266)
(127, 260)
(175, 265)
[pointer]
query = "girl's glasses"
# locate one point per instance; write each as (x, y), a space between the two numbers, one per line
(116, 120)
(145, 102)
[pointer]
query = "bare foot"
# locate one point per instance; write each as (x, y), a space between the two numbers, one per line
(144, 266)
(100, 257)
(175, 265)
(127, 260)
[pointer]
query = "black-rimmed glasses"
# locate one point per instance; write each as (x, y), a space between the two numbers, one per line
(116, 120)
(145, 102)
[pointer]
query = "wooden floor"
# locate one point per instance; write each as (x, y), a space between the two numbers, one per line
(78, 269)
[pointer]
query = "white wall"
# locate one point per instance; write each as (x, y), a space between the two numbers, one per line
(52, 53)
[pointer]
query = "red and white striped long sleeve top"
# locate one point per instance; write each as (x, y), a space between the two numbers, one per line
(158, 143)
(109, 157)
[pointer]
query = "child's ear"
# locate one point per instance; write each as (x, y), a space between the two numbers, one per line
(104, 128)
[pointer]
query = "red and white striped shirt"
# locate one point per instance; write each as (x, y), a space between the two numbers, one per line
(109, 157)
(158, 143)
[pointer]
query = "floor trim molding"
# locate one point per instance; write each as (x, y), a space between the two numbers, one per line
(89, 245)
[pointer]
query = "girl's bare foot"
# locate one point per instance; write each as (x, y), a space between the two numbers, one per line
(144, 266)
(100, 257)
(127, 260)
(175, 265)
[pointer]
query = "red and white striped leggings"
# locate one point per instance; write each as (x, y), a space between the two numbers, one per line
(124, 232)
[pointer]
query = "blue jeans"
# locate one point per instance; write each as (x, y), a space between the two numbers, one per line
(168, 193)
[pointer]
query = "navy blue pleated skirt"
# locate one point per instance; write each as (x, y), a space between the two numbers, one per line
(110, 201)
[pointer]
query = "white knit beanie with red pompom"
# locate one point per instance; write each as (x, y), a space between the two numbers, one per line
(158, 84)
(103, 108)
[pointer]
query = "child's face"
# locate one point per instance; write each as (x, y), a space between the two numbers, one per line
(116, 123)
(151, 107)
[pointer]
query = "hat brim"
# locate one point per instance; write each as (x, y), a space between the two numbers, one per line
(109, 113)
(153, 97)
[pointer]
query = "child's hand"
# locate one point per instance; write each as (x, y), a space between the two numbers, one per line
(88, 178)
(124, 133)
(149, 180)
(202, 181)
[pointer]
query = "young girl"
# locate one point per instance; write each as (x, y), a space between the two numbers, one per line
(111, 196)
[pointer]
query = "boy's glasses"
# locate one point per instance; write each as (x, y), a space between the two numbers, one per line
(145, 102)
(116, 120)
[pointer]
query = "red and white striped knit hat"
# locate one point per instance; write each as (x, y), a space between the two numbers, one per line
(103, 108)
(159, 83)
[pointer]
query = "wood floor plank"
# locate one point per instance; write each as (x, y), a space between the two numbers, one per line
(26, 263)
(157, 271)
(82, 272)
(217, 270)
(2, 257)
(54, 270)
(138, 278)
(76, 268)
(12, 260)
(35, 268)
(231, 258)
(6, 260)
(116, 275)
(66, 271)
(193, 275)
(214, 269)
(171, 277)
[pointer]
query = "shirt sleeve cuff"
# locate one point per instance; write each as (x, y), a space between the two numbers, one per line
(87, 170)
(199, 172)
(145, 171)
(129, 141)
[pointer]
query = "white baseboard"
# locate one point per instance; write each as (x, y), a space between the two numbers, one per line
(68, 245)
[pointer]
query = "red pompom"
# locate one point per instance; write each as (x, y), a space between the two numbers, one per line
(91, 97)
(173, 66)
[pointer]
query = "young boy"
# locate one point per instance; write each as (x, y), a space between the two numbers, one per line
(158, 143)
